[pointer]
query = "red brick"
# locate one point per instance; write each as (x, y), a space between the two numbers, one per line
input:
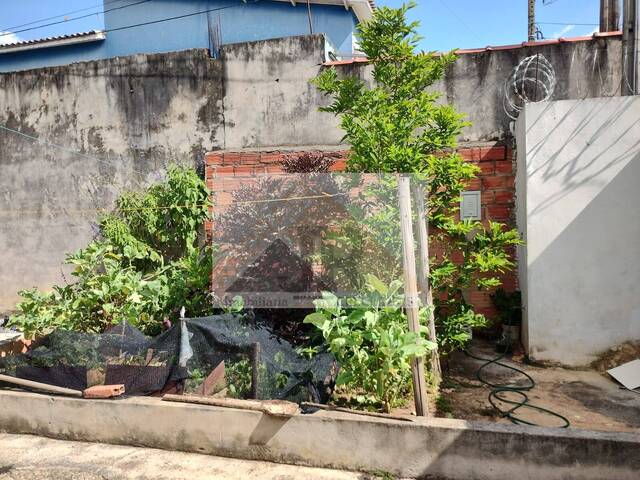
(232, 158)
(492, 153)
(504, 166)
(509, 153)
(487, 198)
(498, 212)
(494, 182)
(215, 158)
(474, 184)
(274, 169)
(503, 197)
(103, 391)
(338, 166)
(243, 170)
(224, 170)
(486, 168)
(271, 157)
(469, 153)
(250, 158)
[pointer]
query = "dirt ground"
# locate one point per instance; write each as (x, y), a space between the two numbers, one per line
(589, 399)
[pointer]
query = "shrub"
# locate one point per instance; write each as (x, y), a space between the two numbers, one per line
(370, 338)
(145, 266)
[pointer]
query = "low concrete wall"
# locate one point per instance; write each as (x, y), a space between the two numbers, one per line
(452, 449)
(577, 191)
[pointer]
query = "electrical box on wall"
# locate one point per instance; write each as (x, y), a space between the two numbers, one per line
(470, 206)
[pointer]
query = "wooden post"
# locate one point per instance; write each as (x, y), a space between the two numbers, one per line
(609, 15)
(411, 291)
(426, 296)
(255, 369)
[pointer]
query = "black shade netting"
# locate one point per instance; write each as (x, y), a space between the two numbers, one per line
(257, 364)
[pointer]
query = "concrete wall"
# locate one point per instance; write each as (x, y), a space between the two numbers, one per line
(238, 21)
(105, 126)
(422, 448)
(477, 84)
(577, 188)
(114, 124)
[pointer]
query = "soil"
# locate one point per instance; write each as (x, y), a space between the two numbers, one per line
(589, 399)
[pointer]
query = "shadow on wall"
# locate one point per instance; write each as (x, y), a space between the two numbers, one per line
(576, 145)
(589, 277)
(583, 229)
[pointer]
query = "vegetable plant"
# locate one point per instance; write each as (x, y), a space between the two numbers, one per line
(146, 264)
(370, 338)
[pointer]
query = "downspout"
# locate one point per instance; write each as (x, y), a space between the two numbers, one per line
(631, 47)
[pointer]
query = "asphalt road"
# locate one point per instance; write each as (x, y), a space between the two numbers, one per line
(29, 457)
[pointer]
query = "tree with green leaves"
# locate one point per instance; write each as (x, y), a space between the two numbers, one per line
(396, 124)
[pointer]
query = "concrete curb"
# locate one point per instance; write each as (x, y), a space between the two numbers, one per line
(432, 448)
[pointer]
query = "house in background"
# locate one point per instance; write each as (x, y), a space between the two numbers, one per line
(160, 26)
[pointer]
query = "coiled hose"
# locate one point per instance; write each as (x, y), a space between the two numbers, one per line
(499, 390)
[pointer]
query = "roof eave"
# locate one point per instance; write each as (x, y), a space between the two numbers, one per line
(362, 8)
(96, 36)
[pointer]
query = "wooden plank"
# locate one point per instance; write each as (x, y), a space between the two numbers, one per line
(411, 291)
(215, 381)
(45, 387)
(278, 408)
(331, 408)
(426, 295)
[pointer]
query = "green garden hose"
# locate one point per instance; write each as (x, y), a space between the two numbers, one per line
(498, 390)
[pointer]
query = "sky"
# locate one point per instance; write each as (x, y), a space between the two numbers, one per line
(444, 24)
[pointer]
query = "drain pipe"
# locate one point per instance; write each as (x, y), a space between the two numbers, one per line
(631, 47)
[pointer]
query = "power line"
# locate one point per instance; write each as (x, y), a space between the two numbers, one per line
(569, 23)
(33, 22)
(59, 147)
(72, 19)
(161, 20)
(178, 17)
(444, 4)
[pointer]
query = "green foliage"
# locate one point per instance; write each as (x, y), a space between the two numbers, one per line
(371, 340)
(396, 125)
(145, 267)
(238, 375)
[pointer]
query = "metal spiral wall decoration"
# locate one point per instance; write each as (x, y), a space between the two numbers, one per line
(532, 80)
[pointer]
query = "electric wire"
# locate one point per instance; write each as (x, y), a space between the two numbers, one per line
(150, 22)
(72, 19)
(499, 390)
(64, 14)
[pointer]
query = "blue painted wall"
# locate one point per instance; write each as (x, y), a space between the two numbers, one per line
(239, 22)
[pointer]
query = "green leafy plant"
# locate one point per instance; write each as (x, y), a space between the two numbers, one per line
(395, 124)
(370, 339)
(147, 264)
(238, 375)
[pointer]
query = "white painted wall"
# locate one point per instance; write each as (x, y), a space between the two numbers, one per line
(578, 189)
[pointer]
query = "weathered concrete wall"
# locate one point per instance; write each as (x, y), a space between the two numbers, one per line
(269, 100)
(577, 188)
(117, 123)
(424, 448)
(475, 84)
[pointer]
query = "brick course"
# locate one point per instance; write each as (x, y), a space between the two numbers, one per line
(496, 182)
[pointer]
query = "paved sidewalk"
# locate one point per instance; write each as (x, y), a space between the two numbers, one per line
(29, 457)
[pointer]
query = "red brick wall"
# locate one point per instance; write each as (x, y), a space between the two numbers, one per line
(496, 182)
